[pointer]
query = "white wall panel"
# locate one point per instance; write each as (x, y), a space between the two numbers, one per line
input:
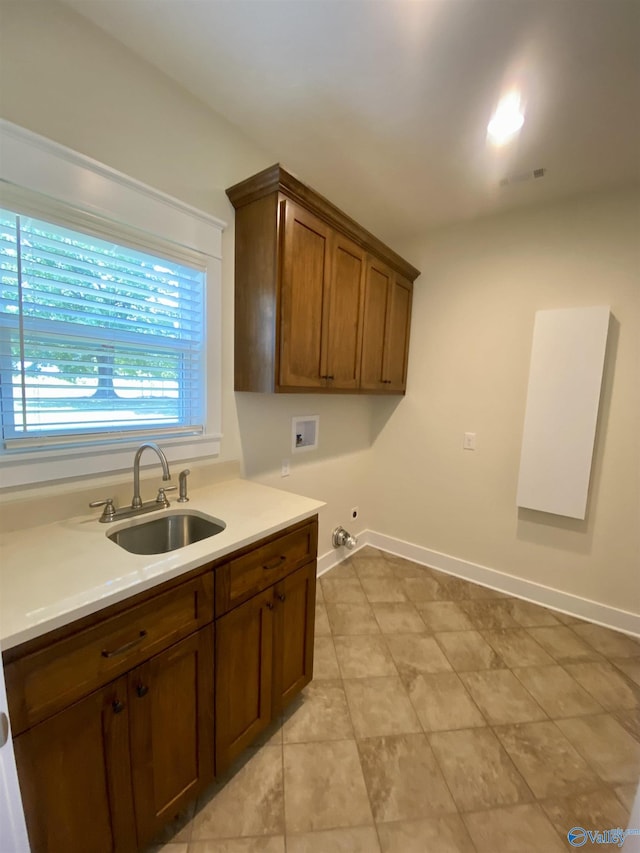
(565, 377)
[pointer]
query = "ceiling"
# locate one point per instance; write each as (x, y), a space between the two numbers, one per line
(382, 105)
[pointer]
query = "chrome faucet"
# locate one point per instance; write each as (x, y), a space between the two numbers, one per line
(136, 503)
(111, 513)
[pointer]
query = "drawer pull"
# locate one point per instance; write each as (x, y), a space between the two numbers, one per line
(273, 564)
(122, 649)
(117, 706)
(269, 605)
(281, 596)
(142, 690)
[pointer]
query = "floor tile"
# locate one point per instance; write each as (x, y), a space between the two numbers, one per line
(531, 615)
(626, 794)
(364, 656)
(444, 616)
(517, 647)
(451, 588)
(556, 691)
(373, 567)
(345, 590)
(351, 618)
(612, 752)
(361, 839)
(423, 588)
(595, 810)
(380, 706)
(478, 591)
(477, 769)
(402, 568)
(324, 786)
(434, 835)
(630, 667)
(513, 829)
(383, 589)
(442, 703)
(547, 760)
(322, 628)
(607, 642)
(605, 684)
(403, 779)
(415, 654)
(501, 697)
(563, 644)
(630, 719)
(170, 847)
(325, 662)
(489, 614)
(248, 802)
(257, 844)
(320, 713)
(345, 570)
(398, 618)
(467, 651)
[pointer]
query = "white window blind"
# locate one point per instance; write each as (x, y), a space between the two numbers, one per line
(97, 339)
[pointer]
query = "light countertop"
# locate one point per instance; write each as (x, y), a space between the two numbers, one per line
(56, 573)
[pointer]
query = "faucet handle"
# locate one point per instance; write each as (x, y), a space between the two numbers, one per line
(162, 498)
(109, 511)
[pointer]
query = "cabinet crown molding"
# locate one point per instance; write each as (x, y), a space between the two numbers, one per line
(275, 179)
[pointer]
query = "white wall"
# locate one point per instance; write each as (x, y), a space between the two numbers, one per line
(473, 320)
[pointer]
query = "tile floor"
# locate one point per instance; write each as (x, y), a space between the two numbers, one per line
(443, 717)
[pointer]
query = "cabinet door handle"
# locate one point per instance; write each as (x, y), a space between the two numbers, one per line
(269, 605)
(281, 596)
(142, 690)
(117, 706)
(386, 382)
(329, 377)
(122, 649)
(273, 564)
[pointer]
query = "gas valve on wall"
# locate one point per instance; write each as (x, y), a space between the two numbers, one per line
(343, 537)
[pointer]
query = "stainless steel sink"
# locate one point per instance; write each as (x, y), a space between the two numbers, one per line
(166, 533)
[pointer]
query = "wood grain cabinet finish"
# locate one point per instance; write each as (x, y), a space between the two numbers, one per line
(301, 318)
(385, 345)
(264, 659)
(119, 720)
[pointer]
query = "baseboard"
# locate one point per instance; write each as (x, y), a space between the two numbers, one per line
(555, 599)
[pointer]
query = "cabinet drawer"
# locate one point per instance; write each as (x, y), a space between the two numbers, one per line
(267, 562)
(44, 682)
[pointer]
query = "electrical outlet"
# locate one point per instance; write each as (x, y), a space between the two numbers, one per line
(354, 512)
(285, 468)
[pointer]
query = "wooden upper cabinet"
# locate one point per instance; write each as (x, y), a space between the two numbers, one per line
(304, 285)
(387, 319)
(303, 294)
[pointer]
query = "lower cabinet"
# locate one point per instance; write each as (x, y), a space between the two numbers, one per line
(115, 730)
(108, 772)
(264, 658)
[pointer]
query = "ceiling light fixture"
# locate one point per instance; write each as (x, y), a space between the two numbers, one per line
(507, 119)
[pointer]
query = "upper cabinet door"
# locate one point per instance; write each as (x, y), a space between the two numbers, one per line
(304, 279)
(387, 318)
(396, 348)
(375, 322)
(343, 314)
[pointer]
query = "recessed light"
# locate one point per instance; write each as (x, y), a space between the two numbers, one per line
(506, 120)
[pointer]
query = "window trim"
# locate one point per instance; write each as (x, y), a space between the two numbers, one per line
(36, 164)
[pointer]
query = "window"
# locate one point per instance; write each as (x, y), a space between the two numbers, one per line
(95, 337)
(110, 328)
